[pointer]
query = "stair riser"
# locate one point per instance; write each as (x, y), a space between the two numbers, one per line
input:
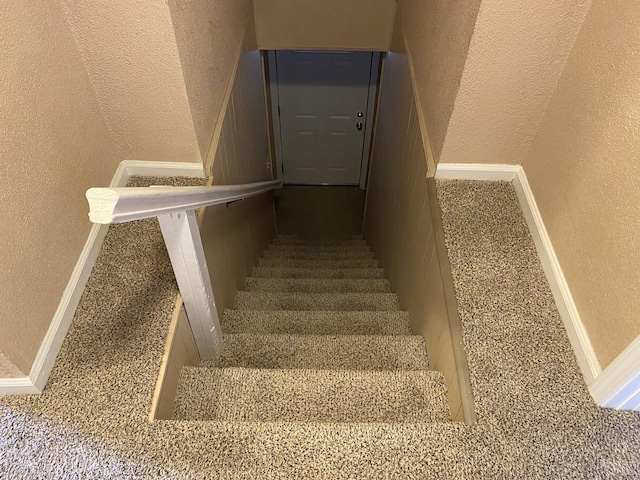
(324, 352)
(316, 285)
(306, 263)
(344, 273)
(314, 238)
(306, 255)
(318, 243)
(319, 248)
(317, 301)
(310, 396)
(316, 323)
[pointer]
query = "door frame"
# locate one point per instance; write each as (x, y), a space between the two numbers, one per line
(272, 73)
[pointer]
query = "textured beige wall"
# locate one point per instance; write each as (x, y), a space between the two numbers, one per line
(437, 35)
(584, 168)
(8, 369)
(208, 34)
(54, 146)
(398, 224)
(517, 53)
(235, 236)
(130, 53)
(327, 24)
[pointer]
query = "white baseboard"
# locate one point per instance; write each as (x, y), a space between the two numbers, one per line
(477, 171)
(585, 354)
(46, 356)
(618, 386)
(587, 359)
(17, 386)
(41, 368)
(129, 168)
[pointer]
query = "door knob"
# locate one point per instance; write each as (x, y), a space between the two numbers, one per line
(359, 126)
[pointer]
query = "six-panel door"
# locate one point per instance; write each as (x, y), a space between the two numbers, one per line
(323, 108)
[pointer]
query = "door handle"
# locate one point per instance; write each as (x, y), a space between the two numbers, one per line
(359, 126)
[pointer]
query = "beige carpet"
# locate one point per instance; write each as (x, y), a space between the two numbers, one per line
(536, 419)
(311, 396)
(316, 352)
(264, 376)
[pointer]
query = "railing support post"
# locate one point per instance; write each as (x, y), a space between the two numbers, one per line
(182, 237)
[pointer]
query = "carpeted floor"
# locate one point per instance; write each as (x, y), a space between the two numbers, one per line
(536, 419)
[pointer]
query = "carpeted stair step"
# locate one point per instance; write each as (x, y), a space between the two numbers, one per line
(318, 248)
(292, 272)
(318, 263)
(316, 301)
(316, 323)
(241, 394)
(317, 285)
(291, 241)
(319, 254)
(316, 238)
(323, 352)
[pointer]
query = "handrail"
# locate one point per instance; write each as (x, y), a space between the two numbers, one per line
(118, 205)
(175, 209)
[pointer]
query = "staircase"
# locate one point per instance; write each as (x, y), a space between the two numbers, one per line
(317, 336)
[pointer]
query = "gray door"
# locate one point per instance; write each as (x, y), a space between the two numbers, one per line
(322, 99)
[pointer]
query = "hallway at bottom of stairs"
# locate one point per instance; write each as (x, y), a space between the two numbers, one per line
(317, 336)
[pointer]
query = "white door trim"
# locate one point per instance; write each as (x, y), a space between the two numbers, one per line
(374, 80)
(48, 351)
(580, 342)
(275, 110)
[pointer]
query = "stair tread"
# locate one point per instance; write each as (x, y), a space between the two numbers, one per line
(317, 337)
(317, 285)
(352, 301)
(338, 273)
(316, 322)
(319, 254)
(241, 394)
(315, 238)
(352, 352)
(331, 248)
(318, 263)
(319, 242)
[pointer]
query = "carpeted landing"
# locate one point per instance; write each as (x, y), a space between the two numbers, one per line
(535, 416)
(277, 366)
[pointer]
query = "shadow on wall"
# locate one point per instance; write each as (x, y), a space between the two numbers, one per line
(399, 227)
(319, 210)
